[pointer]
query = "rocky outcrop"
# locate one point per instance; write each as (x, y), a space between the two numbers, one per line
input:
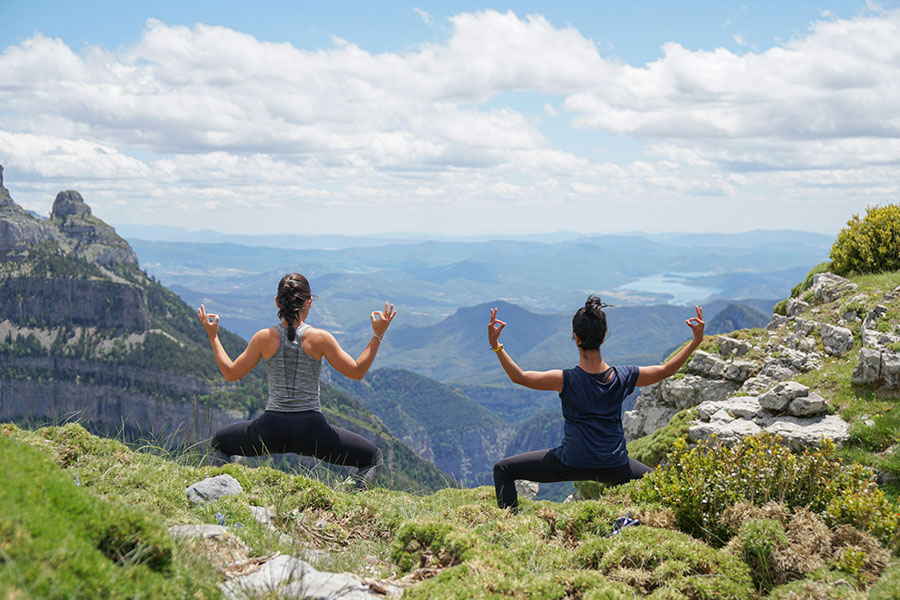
(56, 302)
(85, 235)
(747, 387)
(110, 410)
(789, 410)
(879, 358)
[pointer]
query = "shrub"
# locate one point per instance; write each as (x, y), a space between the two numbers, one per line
(429, 543)
(700, 483)
(870, 244)
(760, 538)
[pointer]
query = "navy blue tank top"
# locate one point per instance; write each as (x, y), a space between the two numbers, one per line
(593, 436)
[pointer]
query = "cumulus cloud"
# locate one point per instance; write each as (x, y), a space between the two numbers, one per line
(211, 115)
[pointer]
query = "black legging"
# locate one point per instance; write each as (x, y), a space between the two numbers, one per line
(543, 466)
(306, 433)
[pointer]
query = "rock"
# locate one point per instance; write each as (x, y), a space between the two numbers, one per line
(707, 364)
(868, 370)
(289, 577)
(739, 370)
(204, 531)
(262, 514)
(873, 316)
(778, 398)
(527, 489)
(644, 420)
(800, 434)
(213, 488)
(796, 306)
(805, 327)
(849, 316)
(738, 407)
(729, 346)
(777, 322)
(836, 340)
(756, 385)
(69, 203)
(890, 369)
(807, 344)
(808, 406)
(827, 287)
(774, 370)
(727, 433)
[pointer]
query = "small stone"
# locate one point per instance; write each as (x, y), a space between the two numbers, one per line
(204, 531)
(739, 370)
(729, 346)
(778, 398)
(213, 488)
(836, 340)
(527, 489)
(262, 514)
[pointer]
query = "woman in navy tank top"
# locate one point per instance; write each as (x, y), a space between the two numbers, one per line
(293, 351)
(593, 445)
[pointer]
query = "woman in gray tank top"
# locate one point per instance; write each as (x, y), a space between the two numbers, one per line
(293, 352)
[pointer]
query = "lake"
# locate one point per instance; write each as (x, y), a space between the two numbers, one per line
(676, 285)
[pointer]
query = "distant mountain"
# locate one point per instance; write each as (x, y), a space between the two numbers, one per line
(736, 316)
(455, 350)
(86, 334)
(430, 280)
(461, 437)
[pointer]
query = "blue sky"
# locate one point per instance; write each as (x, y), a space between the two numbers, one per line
(454, 117)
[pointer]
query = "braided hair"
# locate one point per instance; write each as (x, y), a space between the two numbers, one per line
(293, 292)
(589, 323)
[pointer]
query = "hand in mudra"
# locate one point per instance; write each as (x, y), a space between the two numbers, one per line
(381, 320)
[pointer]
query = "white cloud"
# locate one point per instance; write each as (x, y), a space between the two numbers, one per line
(210, 115)
(423, 14)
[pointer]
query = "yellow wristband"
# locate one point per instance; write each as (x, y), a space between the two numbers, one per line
(498, 348)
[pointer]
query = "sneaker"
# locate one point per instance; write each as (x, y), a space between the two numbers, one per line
(623, 522)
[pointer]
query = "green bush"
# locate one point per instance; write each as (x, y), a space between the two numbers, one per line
(428, 543)
(760, 538)
(700, 483)
(870, 244)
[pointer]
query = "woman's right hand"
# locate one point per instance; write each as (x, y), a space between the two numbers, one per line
(494, 329)
(381, 320)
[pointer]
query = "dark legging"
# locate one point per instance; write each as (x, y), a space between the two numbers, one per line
(543, 466)
(306, 433)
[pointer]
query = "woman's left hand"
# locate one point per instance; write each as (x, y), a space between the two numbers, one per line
(696, 324)
(210, 322)
(381, 320)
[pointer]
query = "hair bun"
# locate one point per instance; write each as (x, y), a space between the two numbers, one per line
(594, 302)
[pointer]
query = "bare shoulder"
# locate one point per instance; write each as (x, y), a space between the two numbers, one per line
(266, 341)
(318, 338)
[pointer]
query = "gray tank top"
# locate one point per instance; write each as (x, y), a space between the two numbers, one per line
(293, 375)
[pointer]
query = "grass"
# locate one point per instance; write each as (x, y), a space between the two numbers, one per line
(104, 536)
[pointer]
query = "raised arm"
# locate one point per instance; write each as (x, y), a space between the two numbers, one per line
(243, 364)
(536, 380)
(655, 373)
(342, 362)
